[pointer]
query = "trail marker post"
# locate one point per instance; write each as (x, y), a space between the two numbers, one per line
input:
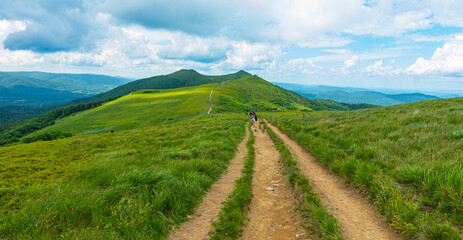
(297, 110)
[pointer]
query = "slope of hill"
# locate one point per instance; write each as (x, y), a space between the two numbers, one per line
(355, 95)
(252, 93)
(142, 108)
(181, 78)
(406, 157)
(139, 109)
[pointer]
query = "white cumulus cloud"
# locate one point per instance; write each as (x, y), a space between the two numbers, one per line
(448, 59)
(352, 61)
(378, 69)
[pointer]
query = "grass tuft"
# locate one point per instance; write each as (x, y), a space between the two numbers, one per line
(232, 216)
(457, 134)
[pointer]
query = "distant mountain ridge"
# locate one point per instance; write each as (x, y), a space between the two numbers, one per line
(355, 95)
(35, 89)
(178, 79)
(76, 83)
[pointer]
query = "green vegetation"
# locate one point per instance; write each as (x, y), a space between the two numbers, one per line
(179, 79)
(232, 216)
(34, 80)
(13, 114)
(333, 105)
(138, 165)
(252, 93)
(17, 131)
(407, 158)
(319, 222)
(132, 184)
(139, 109)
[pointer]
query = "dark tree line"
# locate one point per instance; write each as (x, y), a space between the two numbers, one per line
(19, 130)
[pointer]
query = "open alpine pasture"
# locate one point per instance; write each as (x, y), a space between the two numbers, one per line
(139, 166)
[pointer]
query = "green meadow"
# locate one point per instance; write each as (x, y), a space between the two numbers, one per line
(128, 184)
(139, 109)
(408, 159)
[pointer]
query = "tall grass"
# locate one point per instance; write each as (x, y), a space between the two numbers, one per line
(319, 222)
(232, 216)
(132, 184)
(407, 158)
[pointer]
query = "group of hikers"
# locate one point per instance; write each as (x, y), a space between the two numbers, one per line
(253, 119)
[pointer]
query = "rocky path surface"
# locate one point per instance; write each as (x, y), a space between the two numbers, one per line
(210, 97)
(271, 214)
(358, 217)
(199, 224)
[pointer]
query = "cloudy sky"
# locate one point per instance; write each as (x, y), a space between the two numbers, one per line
(413, 44)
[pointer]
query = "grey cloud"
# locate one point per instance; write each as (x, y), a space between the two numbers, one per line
(53, 25)
(205, 18)
(197, 50)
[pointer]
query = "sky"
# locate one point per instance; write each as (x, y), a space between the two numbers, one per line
(395, 44)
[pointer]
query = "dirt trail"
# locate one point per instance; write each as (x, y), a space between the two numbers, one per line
(199, 224)
(272, 214)
(359, 218)
(210, 97)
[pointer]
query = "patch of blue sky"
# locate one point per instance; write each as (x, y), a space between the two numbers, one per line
(295, 51)
(438, 30)
(362, 43)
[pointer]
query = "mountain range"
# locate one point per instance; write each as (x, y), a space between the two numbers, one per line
(47, 89)
(355, 95)
(41, 89)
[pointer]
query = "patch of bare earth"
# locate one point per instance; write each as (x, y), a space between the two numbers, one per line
(358, 217)
(271, 214)
(199, 224)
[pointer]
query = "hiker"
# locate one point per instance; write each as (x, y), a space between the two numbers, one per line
(253, 119)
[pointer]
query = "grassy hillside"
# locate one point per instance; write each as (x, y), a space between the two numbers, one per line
(408, 158)
(139, 109)
(252, 93)
(132, 184)
(182, 78)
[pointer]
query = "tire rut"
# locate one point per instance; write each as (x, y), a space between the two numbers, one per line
(199, 224)
(271, 214)
(358, 217)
